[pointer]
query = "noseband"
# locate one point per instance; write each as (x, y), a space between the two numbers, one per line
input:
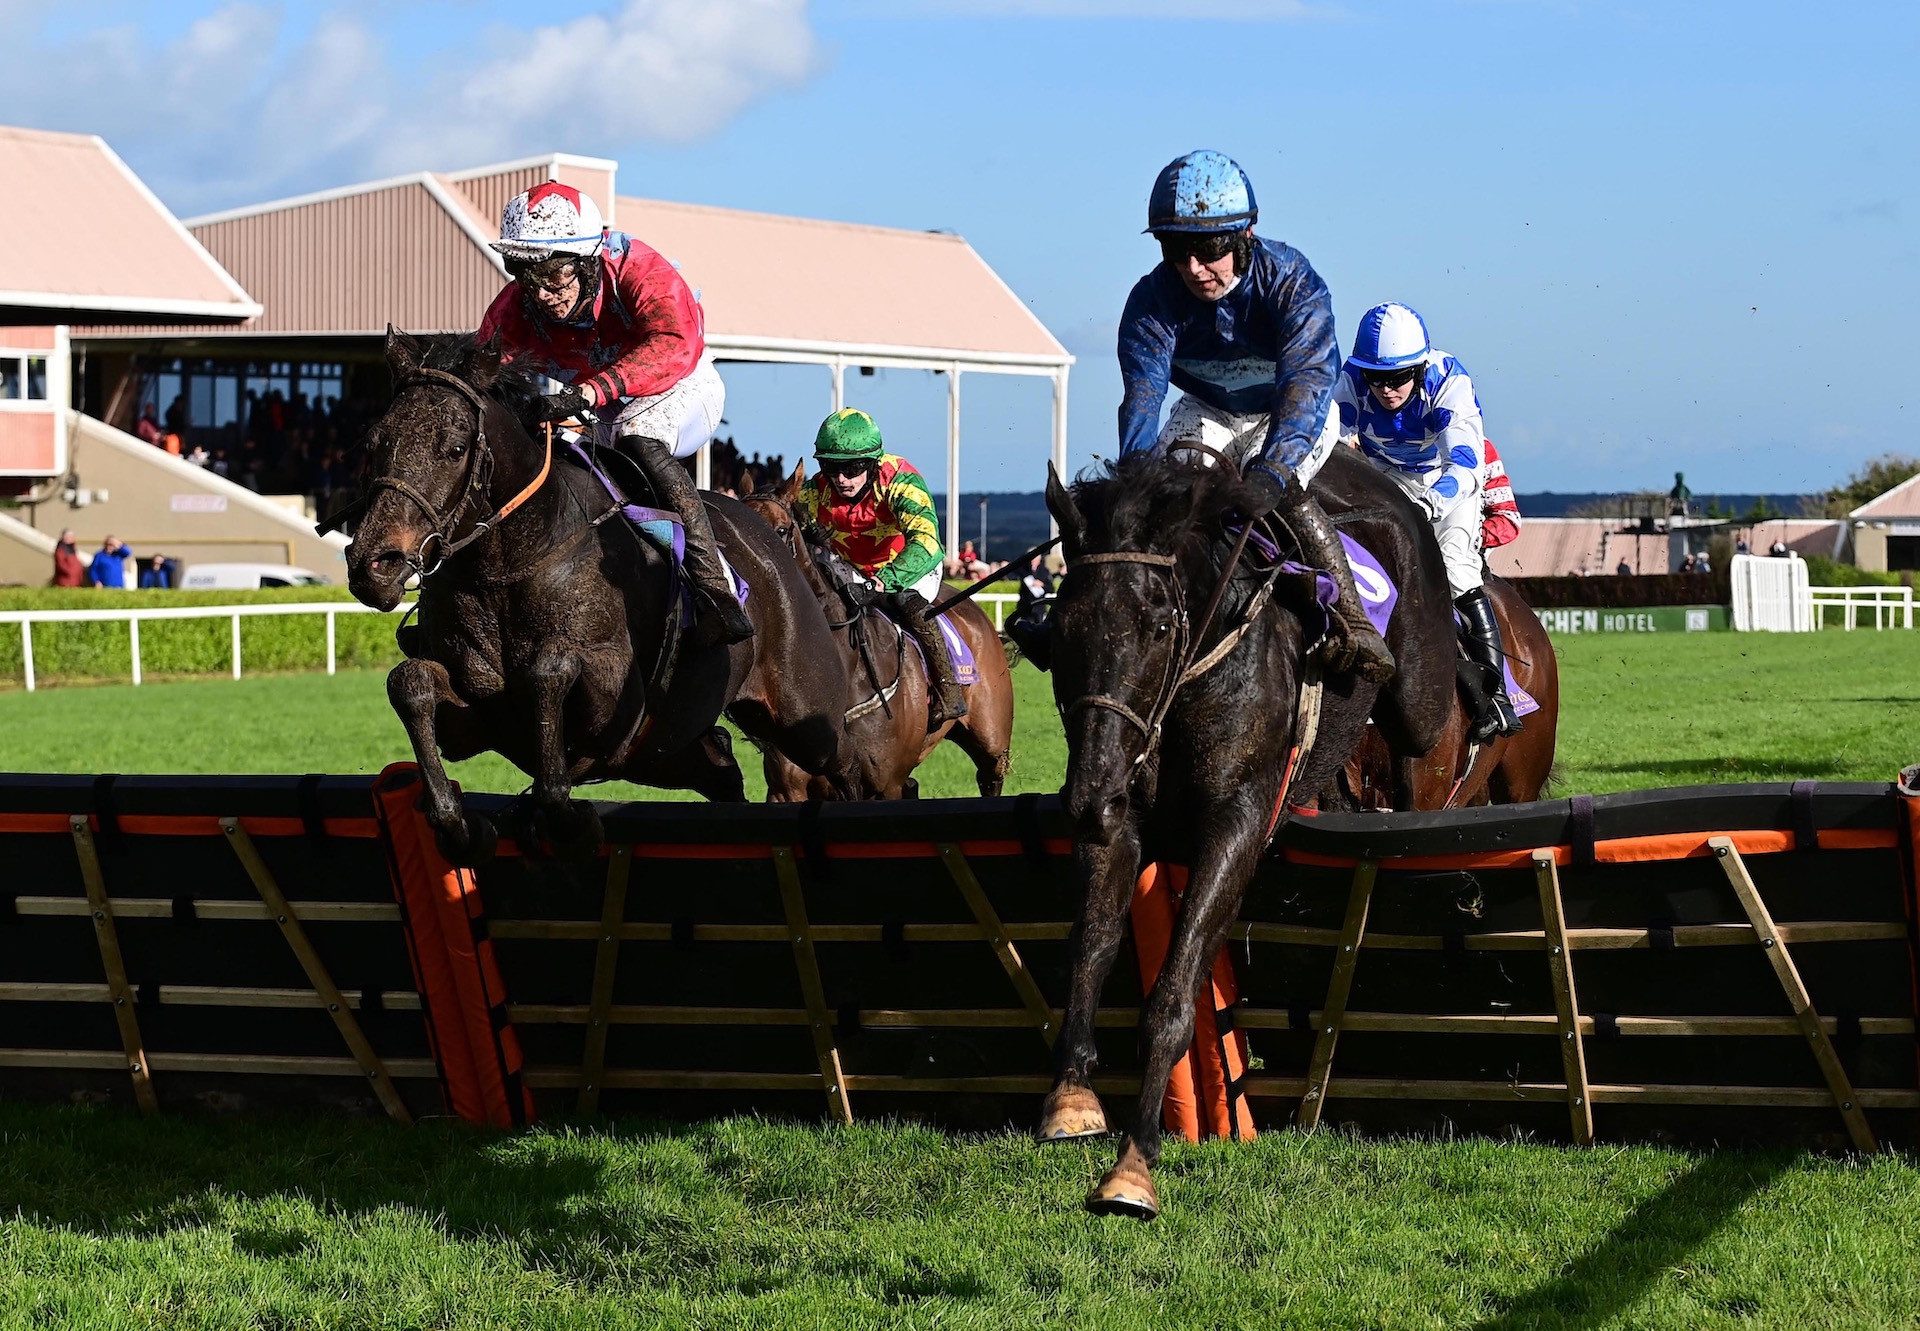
(474, 490)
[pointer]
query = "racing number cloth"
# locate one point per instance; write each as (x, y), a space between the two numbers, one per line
(462, 996)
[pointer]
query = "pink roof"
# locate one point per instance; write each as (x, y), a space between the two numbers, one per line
(764, 277)
(123, 254)
(413, 250)
(1902, 501)
(1554, 547)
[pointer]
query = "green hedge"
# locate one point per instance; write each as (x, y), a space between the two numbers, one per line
(72, 653)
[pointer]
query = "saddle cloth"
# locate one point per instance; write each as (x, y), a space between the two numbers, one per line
(966, 670)
(1378, 596)
(663, 528)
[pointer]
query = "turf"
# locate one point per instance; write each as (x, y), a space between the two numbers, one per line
(114, 1221)
(1637, 712)
(749, 1224)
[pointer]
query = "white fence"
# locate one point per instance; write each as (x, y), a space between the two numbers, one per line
(1771, 595)
(1887, 604)
(133, 618)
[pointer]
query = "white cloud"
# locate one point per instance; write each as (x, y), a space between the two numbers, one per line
(239, 106)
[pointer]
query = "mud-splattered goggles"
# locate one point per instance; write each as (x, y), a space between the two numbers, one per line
(1208, 247)
(547, 274)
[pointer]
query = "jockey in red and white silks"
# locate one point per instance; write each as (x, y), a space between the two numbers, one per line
(1499, 511)
(614, 321)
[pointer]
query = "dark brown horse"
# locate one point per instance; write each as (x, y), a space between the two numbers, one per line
(887, 735)
(1175, 753)
(1508, 769)
(549, 624)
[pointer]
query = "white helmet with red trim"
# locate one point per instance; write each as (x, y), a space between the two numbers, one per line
(547, 220)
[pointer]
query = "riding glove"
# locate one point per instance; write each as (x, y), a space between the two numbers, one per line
(1269, 489)
(570, 401)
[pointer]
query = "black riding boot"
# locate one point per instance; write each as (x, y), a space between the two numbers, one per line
(718, 616)
(1353, 644)
(1481, 638)
(946, 700)
(1030, 628)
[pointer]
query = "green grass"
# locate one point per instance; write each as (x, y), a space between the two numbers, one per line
(119, 1222)
(114, 1221)
(1638, 711)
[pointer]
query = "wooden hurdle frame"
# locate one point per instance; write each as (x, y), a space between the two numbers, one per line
(955, 896)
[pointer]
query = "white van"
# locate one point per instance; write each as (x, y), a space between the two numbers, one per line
(233, 577)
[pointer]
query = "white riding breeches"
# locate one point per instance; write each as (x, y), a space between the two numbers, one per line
(683, 418)
(1239, 436)
(1456, 526)
(932, 587)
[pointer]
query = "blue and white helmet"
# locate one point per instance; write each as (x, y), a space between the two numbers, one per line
(1204, 192)
(1391, 337)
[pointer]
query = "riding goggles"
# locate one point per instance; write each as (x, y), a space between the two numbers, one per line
(1399, 378)
(1209, 247)
(547, 274)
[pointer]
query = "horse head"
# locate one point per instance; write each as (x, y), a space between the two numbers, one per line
(1136, 538)
(779, 508)
(429, 461)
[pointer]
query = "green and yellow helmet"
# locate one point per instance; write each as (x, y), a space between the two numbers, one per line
(848, 435)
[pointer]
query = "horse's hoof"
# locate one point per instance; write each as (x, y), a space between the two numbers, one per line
(1126, 1190)
(476, 843)
(1071, 1114)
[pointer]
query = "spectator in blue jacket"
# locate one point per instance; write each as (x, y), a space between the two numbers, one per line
(109, 566)
(156, 572)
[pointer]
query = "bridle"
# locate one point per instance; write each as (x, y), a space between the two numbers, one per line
(1150, 724)
(1182, 669)
(475, 489)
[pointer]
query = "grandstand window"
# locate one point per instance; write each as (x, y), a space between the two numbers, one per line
(23, 377)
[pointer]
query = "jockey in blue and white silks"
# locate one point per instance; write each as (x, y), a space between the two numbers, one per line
(1243, 327)
(1414, 414)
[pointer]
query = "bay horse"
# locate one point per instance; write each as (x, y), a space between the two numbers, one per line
(550, 626)
(886, 716)
(1509, 769)
(1178, 751)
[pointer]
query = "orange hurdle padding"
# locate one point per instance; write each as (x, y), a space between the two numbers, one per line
(1204, 1094)
(462, 995)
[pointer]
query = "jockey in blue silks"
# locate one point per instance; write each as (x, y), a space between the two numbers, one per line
(1416, 417)
(1243, 327)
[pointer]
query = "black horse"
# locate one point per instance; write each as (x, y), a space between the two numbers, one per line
(549, 625)
(1172, 758)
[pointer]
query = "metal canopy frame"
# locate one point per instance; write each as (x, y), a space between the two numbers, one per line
(837, 359)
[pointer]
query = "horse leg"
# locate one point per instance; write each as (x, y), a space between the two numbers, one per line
(1071, 1110)
(1215, 887)
(421, 693)
(986, 742)
(572, 828)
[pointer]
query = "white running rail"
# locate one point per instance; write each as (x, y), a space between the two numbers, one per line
(1887, 604)
(134, 617)
(1771, 595)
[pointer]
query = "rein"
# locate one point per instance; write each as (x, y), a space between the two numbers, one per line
(478, 482)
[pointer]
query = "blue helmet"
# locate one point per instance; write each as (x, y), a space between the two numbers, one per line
(1390, 337)
(1204, 192)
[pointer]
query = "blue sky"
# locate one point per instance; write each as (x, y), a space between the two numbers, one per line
(1662, 236)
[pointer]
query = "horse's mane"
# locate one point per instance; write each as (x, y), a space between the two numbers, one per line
(515, 388)
(1150, 501)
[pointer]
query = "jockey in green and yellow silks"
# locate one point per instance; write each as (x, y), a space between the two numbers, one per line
(874, 509)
